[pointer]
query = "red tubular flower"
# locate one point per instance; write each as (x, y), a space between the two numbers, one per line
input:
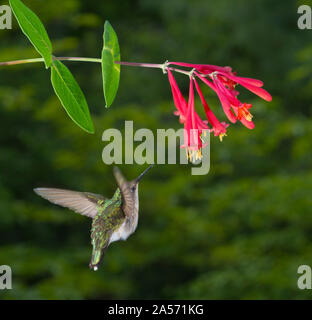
(203, 68)
(193, 124)
(193, 128)
(252, 85)
(229, 78)
(178, 98)
(223, 81)
(218, 128)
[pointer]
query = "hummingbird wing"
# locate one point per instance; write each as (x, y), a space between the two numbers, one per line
(128, 196)
(84, 203)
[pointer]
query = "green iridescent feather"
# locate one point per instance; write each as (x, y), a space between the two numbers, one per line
(109, 218)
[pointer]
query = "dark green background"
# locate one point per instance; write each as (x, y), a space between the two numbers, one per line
(239, 232)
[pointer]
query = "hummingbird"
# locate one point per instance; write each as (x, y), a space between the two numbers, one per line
(112, 219)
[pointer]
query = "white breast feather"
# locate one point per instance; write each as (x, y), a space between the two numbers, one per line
(124, 232)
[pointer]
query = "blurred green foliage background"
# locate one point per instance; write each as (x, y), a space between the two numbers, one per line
(239, 232)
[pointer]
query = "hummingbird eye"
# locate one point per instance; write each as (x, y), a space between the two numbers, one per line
(133, 188)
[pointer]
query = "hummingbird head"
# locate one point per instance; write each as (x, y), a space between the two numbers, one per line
(129, 190)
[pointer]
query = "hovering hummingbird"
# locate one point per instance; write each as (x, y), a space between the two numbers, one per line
(113, 219)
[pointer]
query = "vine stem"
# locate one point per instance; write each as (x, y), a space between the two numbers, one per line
(24, 61)
(138, 64)
(11, 63)
(95, 60)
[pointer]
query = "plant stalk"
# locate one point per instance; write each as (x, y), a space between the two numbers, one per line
(95, 60)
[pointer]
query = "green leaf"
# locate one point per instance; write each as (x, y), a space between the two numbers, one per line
(71, 96)
(33, 28)
(110, 70)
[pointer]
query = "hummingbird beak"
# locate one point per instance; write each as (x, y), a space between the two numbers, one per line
(143, 173)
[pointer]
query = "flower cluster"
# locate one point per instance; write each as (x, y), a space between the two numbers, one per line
(223, 82)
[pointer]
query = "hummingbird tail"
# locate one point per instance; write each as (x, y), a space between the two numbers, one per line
(97, 257)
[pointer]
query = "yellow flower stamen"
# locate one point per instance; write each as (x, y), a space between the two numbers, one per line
(221, 135)
(193, 155)
(248, 116)
(243, 112)
(186, 151)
